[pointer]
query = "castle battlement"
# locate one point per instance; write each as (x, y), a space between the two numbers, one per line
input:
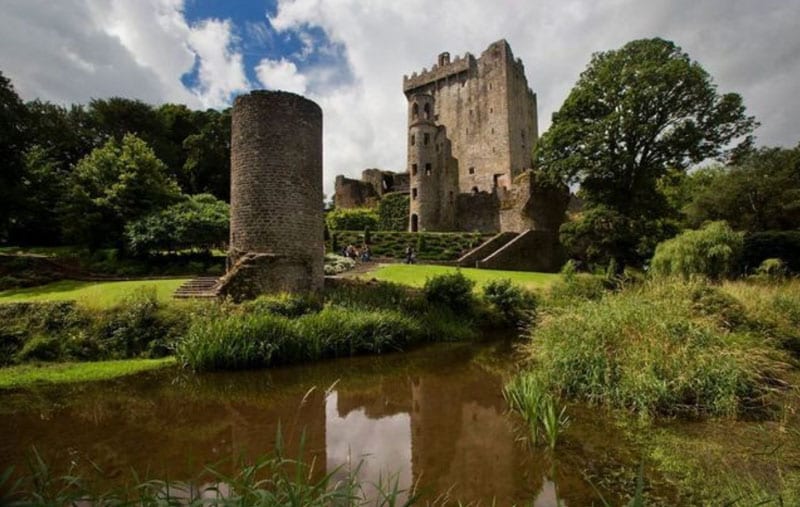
(445, 68)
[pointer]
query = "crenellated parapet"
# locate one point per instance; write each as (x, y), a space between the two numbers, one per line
(445, 68)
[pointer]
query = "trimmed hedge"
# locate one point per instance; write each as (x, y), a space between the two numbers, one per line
(436, 246)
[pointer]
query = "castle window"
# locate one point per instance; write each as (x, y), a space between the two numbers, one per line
(436, 117)
(413, 169)
(523, 134)
(451, 197)
(490, 86)
(426, 139)
(413, 139)
(427, 169)
(427, 110)
(415, 111)
(491, 109)
(474, 190)
(472, 170)
(413, 193)
(492, 131)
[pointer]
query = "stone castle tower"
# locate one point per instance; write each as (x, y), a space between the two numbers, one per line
(276, 241)
(472, 127)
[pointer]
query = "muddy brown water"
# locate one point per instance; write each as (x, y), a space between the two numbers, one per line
(434, 418)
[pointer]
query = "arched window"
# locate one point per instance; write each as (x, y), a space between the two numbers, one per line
(427, 110)
(415, 111)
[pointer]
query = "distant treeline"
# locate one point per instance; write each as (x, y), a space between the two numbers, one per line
(81, 174)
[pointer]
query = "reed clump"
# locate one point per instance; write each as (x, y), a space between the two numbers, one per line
(666, 347)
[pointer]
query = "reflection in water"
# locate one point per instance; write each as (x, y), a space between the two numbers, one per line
(382, 445)
(432, 418)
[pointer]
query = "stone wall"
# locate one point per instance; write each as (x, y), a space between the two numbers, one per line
(530, 251)
(478, 211)
(350, 193)
(276, 195)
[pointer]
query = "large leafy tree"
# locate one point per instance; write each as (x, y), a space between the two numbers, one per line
(207, 167)
(115, 184)
(634, 113)
(759, 193)
(13, 142)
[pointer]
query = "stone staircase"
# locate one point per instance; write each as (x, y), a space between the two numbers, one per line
(485, 249)
(200, 287)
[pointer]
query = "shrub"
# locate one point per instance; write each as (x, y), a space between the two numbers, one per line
(712, 251)
(515, 304)
(452, 290)
(200, 221)
(772, 269)
(573, 288)
(335, 264)
(135, 328)
(351, 219)
(393, 212)
(760, 246)
(41, 348)
(288, 305)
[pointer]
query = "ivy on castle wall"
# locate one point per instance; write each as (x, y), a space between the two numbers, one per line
(393, 210)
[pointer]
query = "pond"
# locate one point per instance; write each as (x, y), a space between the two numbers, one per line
(434, 418)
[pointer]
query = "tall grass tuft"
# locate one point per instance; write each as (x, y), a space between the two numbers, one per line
(270, 480)
(263, 339)
(540, 410)
(651, 350)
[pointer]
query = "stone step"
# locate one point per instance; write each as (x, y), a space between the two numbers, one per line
(201, 287)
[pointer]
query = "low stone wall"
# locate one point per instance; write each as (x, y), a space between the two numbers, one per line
(530, 251)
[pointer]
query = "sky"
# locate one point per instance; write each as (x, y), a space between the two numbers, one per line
(350, 55)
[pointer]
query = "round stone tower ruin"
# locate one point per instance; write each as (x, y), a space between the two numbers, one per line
(276, 242)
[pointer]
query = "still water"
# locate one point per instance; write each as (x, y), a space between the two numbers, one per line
(434, 418)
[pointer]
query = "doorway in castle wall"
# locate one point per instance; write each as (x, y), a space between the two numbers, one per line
(414, 223)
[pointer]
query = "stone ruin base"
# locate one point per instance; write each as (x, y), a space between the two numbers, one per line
(254, 274)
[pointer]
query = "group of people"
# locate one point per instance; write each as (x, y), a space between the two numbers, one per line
(364, 254)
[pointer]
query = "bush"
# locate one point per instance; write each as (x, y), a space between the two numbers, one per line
(352, 219)
(335, 264)
(200, 221)
(135, 328)
(452, 290)
(712, 251)
(772, 269)
(287, 305)
(41, 348)
(515, 304)
(393, 212)
(761, 246)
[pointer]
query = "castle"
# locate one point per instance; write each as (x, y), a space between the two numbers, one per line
(472, 128)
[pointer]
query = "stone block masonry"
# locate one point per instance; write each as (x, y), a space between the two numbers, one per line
(276, 242)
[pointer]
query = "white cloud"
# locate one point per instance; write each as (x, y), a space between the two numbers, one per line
(75, 50)
(281, 75)
(221, 70)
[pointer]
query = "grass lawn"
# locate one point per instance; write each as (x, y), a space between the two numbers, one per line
(93, 294)
(29, 374)
(415, 275)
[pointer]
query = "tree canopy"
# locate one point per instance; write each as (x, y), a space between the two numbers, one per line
(759, 193)
(634, 113)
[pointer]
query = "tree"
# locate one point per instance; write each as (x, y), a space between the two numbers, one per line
(200, 221)
(116, 183)
(207, 168)
(40, 197)
(760, 193)
(713, 251)
(13, 117)
(634, 113)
